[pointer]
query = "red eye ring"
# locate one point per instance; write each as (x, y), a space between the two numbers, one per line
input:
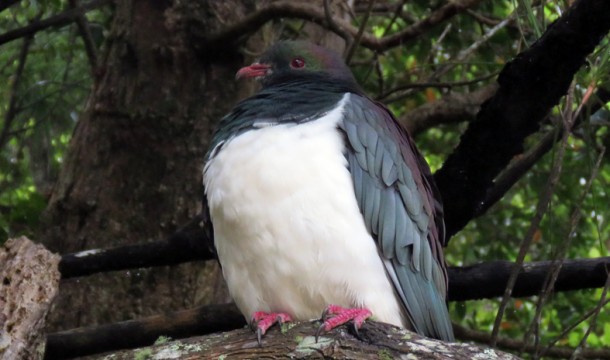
(297, 63)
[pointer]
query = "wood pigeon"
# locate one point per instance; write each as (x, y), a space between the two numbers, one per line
(320, 202)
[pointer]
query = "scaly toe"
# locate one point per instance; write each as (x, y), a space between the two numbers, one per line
(262, 321)
(341, 316)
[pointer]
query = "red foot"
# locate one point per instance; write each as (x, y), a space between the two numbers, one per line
(265, 320)
(342, 315)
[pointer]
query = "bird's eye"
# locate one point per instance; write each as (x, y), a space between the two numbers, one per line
(297, 63)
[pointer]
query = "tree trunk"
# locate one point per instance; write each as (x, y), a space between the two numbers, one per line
(29, 279)
(133, 170)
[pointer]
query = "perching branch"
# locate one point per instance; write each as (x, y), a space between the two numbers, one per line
(574, 275)
(298, 339)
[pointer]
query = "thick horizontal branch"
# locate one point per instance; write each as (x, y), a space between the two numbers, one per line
(479, 281)
(488, 280)
(372, 339)
(63, 19)
(187, 244)
(134, 333)
(530, 85)
(312, 12)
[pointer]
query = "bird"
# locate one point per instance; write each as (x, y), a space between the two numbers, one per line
(320, 203)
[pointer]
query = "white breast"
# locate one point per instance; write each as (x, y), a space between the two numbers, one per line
(287, 228)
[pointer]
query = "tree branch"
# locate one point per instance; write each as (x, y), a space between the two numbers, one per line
(12, 111)
(187, 244)
(85, 33)
(240, 30)
(488, 280)
(371, 340)
(134, 333)
(63, 19)
(453, 108)
(529, 86)
(519, 168)
(575, 274)
(7, 3)
(516, 345)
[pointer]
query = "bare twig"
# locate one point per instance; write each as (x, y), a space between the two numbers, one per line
(452, 108)
(465, 53)
(431, 84)
(312, 13)
(567, 330)
(530, 85)
(541, 209)
(592, 323)
(517, 169)
(332, 25)
(561, 253)
(85, 32)
(397, 13)
(354, 45)
(12, 105)
(461, 56)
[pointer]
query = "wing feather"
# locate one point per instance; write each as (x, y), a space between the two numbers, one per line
(402, 211)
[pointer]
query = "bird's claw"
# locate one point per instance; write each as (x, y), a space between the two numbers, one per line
(341, 316)
(261, 321)
(259, 336)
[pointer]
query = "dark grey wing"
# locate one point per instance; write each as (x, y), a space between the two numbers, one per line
(402, 211)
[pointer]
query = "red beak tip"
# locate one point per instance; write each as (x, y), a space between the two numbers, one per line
(254, 70)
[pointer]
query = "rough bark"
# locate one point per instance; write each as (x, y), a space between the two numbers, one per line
(29, 280)
(298, 341)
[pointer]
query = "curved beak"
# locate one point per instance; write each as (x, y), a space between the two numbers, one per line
(254, 70)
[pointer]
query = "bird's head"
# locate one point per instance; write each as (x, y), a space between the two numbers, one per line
(289, 60)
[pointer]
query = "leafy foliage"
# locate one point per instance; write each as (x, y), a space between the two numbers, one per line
(48, 96)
